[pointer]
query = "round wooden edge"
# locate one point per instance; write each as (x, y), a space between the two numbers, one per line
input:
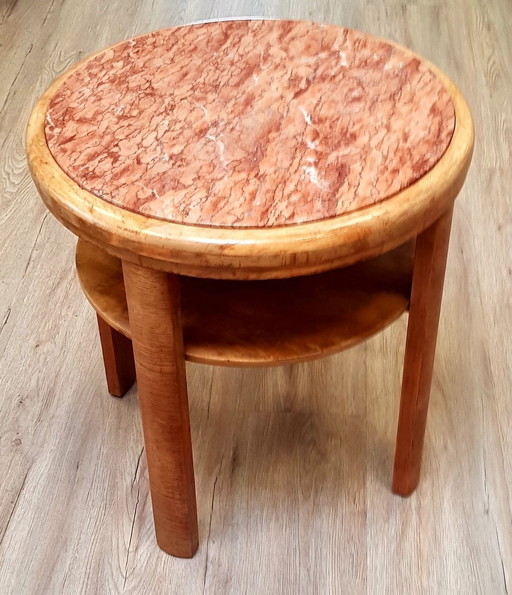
(248, 253)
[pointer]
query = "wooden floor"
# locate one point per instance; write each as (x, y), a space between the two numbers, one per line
(293, 464)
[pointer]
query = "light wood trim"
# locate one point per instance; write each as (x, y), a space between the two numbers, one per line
(252, 253)
(153, 303)
(266, 323)
(426, 295)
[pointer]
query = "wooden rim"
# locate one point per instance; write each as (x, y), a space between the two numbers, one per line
(252, 253)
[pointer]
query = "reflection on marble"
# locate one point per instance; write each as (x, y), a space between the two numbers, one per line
(249, 123)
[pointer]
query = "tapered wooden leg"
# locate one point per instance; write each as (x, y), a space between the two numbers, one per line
(426, 293)
(155, 322)
(117, 359)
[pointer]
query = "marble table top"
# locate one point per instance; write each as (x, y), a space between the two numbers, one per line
(249, 123)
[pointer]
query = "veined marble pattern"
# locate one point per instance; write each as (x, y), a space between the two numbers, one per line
(249, 123)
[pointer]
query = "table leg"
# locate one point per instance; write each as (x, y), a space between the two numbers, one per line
(426, 294)
(155, 322)
(117, 358)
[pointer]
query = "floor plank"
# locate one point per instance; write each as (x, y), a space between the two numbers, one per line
(293, 464)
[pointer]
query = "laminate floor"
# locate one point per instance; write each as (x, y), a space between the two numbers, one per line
(293, 464)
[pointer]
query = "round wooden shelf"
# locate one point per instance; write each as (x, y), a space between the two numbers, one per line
(266, 323)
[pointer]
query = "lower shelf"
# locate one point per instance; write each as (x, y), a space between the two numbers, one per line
(265, 323)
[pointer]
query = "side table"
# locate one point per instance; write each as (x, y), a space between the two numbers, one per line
(252, 193)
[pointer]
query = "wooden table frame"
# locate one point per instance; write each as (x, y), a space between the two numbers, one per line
(154, 254)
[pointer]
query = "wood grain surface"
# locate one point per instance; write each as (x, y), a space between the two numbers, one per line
(155, 316)
(426, 295)
(266, 323)
(117, 359)
(293, 463)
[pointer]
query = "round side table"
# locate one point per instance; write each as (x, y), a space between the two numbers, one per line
(252, 193)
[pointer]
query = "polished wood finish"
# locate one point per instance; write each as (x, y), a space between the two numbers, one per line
(255, 333)
(154, 311)
(426, 294)
(266, 323)
(117, 359)
(101, 278)
(265, 253)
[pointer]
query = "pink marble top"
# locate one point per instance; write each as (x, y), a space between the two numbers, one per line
(249, 123)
